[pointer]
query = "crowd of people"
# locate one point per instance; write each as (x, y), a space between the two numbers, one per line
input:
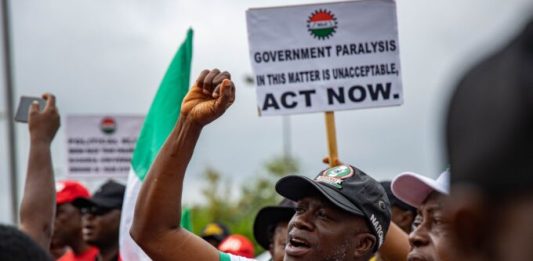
(478, 209)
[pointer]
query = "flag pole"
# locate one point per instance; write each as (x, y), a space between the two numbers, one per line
(332, 138)
(8, 76)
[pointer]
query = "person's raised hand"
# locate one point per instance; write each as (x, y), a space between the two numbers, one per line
(43, 125)
(336, 162)
(210, 96)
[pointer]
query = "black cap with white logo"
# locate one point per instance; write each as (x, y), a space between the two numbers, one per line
(349, 189)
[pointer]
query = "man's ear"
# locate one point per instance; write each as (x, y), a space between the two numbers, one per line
(364, 244)
(467, 213)
(271, 249)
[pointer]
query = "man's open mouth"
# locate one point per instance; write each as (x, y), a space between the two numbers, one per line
(297, 246)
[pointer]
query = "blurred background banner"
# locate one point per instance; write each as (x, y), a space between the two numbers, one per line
(101, 145)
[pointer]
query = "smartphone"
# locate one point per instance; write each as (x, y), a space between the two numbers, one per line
(24, 107)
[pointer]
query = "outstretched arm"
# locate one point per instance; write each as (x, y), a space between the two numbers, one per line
(396, 246)
(37, 209)
(156, 224)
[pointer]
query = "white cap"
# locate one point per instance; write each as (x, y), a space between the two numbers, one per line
(413, 188)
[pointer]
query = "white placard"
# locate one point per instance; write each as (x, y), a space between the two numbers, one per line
(325, 57)
(101, 146)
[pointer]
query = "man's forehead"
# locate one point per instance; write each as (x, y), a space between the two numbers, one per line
(433, 202)
(316, 199)
(323, 202)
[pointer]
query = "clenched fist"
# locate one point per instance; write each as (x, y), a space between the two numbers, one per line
(210, 96)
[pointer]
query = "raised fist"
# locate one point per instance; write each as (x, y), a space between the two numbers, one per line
(210, 96)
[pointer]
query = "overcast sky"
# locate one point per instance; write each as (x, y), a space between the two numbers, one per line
(103, 57)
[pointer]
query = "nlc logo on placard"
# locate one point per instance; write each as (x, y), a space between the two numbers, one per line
(322, 24)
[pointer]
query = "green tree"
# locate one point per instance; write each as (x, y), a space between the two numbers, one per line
(238, 213)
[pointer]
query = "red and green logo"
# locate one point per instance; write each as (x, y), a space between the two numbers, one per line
(322, 24)
(108, 125)
(335, 176)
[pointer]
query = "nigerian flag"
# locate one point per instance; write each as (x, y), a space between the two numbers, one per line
(158, 124)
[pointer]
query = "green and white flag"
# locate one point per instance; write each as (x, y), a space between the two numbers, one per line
(158, 124)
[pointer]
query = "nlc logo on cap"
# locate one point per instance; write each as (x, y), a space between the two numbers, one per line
(336, 175)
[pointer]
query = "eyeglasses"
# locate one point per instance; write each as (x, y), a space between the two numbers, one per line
(95, 210)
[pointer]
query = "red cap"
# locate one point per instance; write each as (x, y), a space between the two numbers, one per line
(237, 245)
(69, 190)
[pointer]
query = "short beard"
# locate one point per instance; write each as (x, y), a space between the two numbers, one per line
(340, 252)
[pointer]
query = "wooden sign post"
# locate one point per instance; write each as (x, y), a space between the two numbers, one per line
(332, 139)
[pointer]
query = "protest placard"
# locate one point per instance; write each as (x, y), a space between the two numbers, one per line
(325, 57)
(99, 146)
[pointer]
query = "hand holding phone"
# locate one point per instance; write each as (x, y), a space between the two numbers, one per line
(42, 117)
(24, 107)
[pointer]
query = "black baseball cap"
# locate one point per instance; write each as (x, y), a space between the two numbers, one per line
(349, 189)
(489, 128)
(110, 195)
(268, 218)
(394, 201)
